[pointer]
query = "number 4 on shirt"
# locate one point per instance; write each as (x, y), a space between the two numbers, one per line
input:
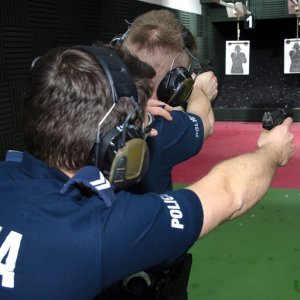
(9, 249)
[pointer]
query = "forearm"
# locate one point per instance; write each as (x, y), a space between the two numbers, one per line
(210, 121)
(235, 185)
(249, 177)
(200, 105)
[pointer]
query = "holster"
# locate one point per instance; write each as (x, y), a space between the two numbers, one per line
(168, 283)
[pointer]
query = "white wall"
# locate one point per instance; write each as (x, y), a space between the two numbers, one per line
(192, 6)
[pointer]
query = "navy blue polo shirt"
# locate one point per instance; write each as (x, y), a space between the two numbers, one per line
(68, 239)
(177, 141)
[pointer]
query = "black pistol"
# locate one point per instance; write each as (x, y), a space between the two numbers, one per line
(201, 67)
(276, 117)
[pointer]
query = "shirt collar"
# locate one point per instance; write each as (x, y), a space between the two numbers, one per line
(88, 177)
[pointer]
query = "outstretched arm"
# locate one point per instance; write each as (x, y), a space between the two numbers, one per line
(235, 185)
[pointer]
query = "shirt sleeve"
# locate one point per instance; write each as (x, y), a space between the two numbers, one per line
(143, 231)
(179, 139)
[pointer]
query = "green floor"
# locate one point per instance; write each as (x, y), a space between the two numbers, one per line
(256, 256)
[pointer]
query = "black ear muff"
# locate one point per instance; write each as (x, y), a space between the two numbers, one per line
(176, 87)
(121, 153)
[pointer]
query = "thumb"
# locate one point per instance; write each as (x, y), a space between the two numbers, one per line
(288, 121)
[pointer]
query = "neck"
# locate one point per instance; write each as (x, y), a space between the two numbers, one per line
(70, 174)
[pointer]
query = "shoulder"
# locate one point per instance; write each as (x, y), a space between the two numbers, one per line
(177, 214)
(179, 204)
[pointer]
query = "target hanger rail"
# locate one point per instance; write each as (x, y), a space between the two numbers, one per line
(230, 5)
(237, 9)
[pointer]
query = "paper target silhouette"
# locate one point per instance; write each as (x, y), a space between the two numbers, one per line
(237, 57)
(291, 56)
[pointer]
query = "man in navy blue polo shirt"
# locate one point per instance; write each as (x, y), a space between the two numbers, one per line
(159, 39)
(66, 231)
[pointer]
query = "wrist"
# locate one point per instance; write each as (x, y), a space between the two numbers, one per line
(270, 155)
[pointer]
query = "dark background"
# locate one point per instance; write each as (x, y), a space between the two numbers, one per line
(266, 85)
(28, 28)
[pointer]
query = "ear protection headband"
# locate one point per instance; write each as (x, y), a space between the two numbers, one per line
(176, 87)
(121, 153)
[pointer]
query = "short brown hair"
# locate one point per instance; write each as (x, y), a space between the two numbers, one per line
(67, 96)
(156, 37)
(156, 29)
